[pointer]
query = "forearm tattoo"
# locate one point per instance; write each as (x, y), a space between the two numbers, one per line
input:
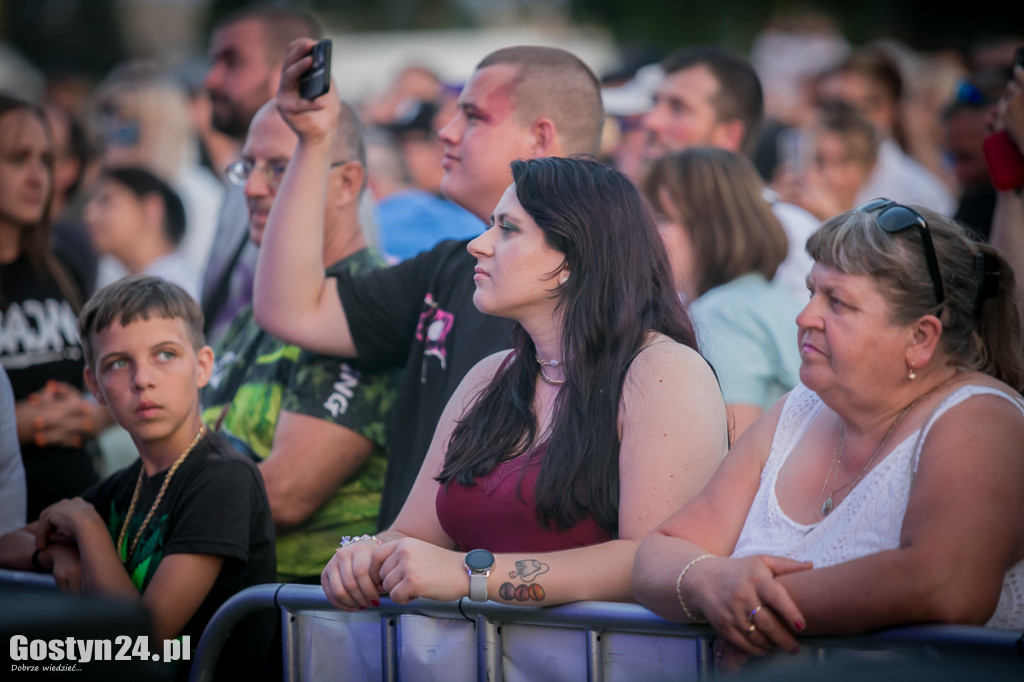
(527, 571)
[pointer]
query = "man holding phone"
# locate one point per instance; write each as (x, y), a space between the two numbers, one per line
(1008, 220)
(521, 102)
(316, 81)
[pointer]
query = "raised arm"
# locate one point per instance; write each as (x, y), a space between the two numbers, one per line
(1008, 219)
(293, 299)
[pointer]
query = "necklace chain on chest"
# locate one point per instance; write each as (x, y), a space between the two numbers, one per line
(156, 503)
(544, 377)
(829, 504)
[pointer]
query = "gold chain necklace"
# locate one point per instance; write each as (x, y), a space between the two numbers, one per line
(544, 377)
(156, 502)
(829, 504)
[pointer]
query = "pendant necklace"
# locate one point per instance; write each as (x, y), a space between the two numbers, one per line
(829, 504)
(156, 502)
(544, 377)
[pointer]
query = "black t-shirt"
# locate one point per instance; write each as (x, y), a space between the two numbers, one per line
(215, 504)
(39, 342)
(419, 315)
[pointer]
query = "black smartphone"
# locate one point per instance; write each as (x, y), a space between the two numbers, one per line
(316, 80)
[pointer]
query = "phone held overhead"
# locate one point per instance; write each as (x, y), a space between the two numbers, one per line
(316, 80)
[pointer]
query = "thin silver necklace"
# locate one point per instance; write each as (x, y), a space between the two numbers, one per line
(544, 377)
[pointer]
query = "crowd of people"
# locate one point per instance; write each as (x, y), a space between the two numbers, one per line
(718, 352)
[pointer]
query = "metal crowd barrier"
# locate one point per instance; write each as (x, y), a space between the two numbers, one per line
(596, 641)
(10, 578)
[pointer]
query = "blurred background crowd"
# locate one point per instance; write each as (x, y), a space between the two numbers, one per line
(858, 100)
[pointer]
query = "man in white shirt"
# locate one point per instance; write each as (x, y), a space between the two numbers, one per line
(869, 81)
(710, 96)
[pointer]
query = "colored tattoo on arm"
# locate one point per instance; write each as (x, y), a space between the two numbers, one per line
(527, 570)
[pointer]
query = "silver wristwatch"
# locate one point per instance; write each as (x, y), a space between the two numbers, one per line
(479, 563)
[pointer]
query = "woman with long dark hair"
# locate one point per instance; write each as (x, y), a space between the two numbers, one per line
(39, 344)
(553, 459)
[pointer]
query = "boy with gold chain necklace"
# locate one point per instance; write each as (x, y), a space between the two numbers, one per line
(188, 524)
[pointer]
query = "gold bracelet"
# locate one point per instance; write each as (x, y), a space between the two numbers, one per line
(679, 591)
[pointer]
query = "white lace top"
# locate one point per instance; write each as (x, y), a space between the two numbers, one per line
(870, 518)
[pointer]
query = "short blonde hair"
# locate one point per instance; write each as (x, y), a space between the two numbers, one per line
(140, 91)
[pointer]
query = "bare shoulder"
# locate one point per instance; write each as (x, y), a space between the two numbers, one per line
(485, 370)
(999, 409)
(665, 361)
(477, 379)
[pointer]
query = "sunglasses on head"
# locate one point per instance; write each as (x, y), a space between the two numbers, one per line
(895, 217)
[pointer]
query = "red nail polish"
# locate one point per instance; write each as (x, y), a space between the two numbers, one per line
(375, 602)
(799, 625)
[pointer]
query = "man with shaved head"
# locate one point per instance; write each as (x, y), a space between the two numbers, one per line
(522, 102)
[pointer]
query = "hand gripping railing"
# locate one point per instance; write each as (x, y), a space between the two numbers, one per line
(594, 618)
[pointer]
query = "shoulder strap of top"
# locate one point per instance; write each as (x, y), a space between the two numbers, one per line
(952, 400)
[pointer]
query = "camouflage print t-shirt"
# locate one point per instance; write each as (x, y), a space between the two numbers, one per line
(256, 376)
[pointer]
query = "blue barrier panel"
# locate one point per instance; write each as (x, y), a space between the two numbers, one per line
(584, 640)
(593, 631)
(25, 579)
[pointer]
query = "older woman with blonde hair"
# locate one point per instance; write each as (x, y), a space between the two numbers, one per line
(888, 488)
(143, 118)
(724, 245)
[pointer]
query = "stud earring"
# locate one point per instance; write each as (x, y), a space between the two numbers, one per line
(563, 279)
(911, 374)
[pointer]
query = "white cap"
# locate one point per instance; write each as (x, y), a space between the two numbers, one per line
(634, 96)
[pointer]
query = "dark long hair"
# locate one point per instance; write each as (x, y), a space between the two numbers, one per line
(35, 239)
(619, 290)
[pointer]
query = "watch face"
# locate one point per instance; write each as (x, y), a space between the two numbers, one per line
(479, 560)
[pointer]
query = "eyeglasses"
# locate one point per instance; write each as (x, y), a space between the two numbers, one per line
(895, 217)
(273, 172)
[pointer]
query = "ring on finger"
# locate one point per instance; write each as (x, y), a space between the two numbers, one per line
(751, 629)
(754, 612)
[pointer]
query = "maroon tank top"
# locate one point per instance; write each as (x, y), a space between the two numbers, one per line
(492, 515)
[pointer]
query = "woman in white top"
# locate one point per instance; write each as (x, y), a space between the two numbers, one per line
(888, 488)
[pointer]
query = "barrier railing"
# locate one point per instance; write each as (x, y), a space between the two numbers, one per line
(26, 579)
(608, 641)
(595, 641)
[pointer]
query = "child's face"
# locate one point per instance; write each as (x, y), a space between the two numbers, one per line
(149, 376)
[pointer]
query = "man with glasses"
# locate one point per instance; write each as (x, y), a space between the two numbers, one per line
(315, 423)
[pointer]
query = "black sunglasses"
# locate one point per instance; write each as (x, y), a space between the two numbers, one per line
(895, 217)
